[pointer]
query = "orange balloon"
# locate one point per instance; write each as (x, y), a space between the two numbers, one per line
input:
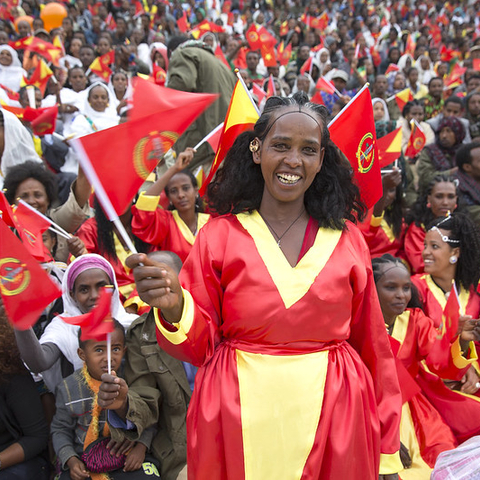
(52, 15)
(25, 18)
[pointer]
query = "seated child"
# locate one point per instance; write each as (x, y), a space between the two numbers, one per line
(79, 421)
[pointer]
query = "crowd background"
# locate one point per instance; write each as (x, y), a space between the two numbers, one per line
(422, 62)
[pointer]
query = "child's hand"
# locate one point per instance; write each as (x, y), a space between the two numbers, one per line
(135, 457)
(77, 469)
(112, 394)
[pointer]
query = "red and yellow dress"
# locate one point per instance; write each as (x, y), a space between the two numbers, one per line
(297, 377)
(381, 239)
(422, 430)
(164, 229)
(414, 245)
(460, 411)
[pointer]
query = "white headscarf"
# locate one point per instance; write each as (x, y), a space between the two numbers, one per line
(386, 117)
(321, 65)
(64, 335)
(11, 76)
(18, 145)
(89, 120)
(424, 76)
(128, 92)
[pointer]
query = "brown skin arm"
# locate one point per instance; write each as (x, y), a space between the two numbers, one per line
(112, 394)
(77, 468)
(12, 455)
(82, 188)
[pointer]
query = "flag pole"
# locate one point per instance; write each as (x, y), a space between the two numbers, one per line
(109, 352)
(240, 79)
(57, 228)
(208, 136)
(101, 194)
(343, 110)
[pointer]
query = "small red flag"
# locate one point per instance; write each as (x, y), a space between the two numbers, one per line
(259, 92)
(317, 98)
(159, 75)
(284, 53)
(389, 147)
(214, 142)
(284, 29)
(219, 54)
(268, 55)
(271, 90)
(182, 23)
(44, 122)
(101, 66)
(325, 85)
(307, 66)
(10, 93)
(403, 97)
(6, 211)
(25, 287)
(30, 227)
(353, 131)
(417, 140)
(97, 322)
(392, 68)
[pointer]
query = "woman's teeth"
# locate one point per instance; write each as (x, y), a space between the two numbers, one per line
(288, 178)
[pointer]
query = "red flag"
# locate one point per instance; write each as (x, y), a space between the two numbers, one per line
(6, 211)
(100, 66)
(325, 85)
(317, 98)
(214, 142)
(39, 77)
(25, 287)
(284, 29)
(22, 43)
(392, 68)
(219, 54)
(417, 140)
(284, 53)
(268, 54)
(50, 52)
(476, 64)
(10, 93)
(389, 147)
(353, 131)
(271, 90)
(307, 66)
(30, 227)
(158, 117)
(451, 314)
(45, 122)
(97, 322)
(241, 60)
(241, 116)
(253, 38)
(410, 45)
(182, 23)
(259, 92)
(455, 75)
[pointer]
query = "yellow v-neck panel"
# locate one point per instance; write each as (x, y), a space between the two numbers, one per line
(437, 292)
(388, 230)
(400, 326)
(202, 219)
(292, 282)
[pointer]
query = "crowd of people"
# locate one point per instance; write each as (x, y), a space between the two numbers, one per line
(274, 327)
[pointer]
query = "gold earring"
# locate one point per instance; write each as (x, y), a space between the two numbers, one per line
(254, 145)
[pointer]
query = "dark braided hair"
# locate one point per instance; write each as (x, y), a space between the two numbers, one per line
(420, 213)
(461, 228)
(378, 267)
(106, 243)
(239, 184)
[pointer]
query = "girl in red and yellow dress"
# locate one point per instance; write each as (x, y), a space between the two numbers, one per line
(414, 338)
(452, 254)
(279, 310)
(440, 198)
(174, 230)
(384, 231)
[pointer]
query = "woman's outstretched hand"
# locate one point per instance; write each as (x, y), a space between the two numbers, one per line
(157, 285)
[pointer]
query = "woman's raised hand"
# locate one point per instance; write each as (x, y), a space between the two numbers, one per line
(184, 158)
(157, 285)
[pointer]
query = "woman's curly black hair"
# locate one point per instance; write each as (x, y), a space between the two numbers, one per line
(466, 235)
(420, 213)
(106, 243)
(378, 268)
(26, 170)
(331, 198)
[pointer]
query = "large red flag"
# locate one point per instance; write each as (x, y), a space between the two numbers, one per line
(159, 116)
(241, 116)
(25, 288)
(97, 322)
(353, 131)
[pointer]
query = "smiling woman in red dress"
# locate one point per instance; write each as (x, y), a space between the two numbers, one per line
(277, 306)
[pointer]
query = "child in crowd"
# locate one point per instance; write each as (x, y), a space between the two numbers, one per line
(80, 432)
